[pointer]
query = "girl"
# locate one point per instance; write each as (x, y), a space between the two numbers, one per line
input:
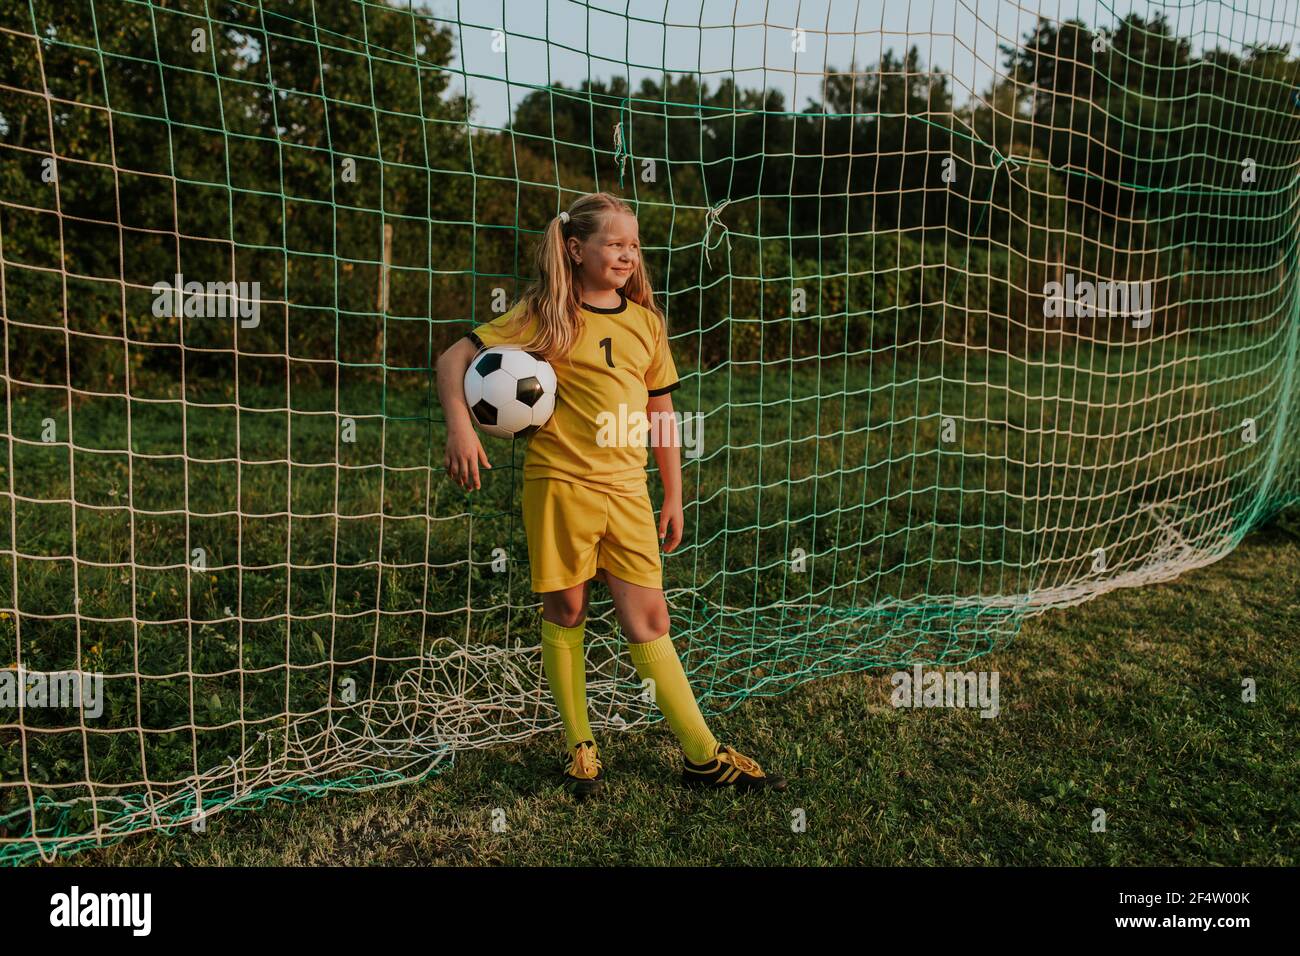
(587, 513)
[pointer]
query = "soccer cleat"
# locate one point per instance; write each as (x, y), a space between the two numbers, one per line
(730, 768)
(584, 770)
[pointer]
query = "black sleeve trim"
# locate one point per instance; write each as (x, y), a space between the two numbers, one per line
(478, 342)
(665, 390)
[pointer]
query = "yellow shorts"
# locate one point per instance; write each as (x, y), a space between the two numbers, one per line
(573, 530)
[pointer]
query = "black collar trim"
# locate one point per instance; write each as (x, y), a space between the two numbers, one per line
(621, 307)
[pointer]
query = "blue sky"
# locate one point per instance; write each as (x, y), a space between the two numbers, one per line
(754, 38)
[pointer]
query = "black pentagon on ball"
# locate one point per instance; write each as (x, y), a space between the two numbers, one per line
(525, 432)
(488, 364)
(529, 391)
(485, 412)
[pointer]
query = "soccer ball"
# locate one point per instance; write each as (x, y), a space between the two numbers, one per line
(510, 392)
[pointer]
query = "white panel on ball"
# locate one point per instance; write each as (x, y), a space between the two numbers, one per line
(542, 410)
(514, 416)
(518, 363)
(499, 387)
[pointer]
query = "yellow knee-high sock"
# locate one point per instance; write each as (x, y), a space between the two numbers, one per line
(658, 661)
(566, 672)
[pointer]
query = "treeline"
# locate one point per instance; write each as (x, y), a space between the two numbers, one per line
(304, 148)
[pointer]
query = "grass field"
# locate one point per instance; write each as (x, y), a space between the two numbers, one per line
(328, 561)
(1131, 702)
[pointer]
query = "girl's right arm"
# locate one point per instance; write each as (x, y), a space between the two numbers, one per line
(464, 450)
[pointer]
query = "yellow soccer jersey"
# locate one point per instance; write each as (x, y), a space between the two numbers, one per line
(620, 358)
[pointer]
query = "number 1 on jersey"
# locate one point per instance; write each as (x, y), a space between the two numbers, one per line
(608, 346)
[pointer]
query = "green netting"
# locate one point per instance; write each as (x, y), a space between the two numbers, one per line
(872, 246)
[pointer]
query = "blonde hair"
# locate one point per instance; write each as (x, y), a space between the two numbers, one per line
(554, 298)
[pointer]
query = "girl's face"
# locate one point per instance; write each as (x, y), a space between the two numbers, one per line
(607, 257)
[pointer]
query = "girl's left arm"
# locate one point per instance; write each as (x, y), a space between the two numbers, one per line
(663, 438)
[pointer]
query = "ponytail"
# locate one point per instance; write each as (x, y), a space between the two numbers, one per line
(552, 299)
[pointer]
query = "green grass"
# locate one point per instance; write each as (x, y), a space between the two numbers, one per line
(1131, 702)
(1051, 460)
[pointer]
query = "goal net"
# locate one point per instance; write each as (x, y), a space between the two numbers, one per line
(979, 312)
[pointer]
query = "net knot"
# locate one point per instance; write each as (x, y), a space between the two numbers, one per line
(1000, 160)
(620, 151)
(714, 215)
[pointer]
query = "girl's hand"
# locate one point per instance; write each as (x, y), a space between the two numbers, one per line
(670, 524)
(464, 452)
